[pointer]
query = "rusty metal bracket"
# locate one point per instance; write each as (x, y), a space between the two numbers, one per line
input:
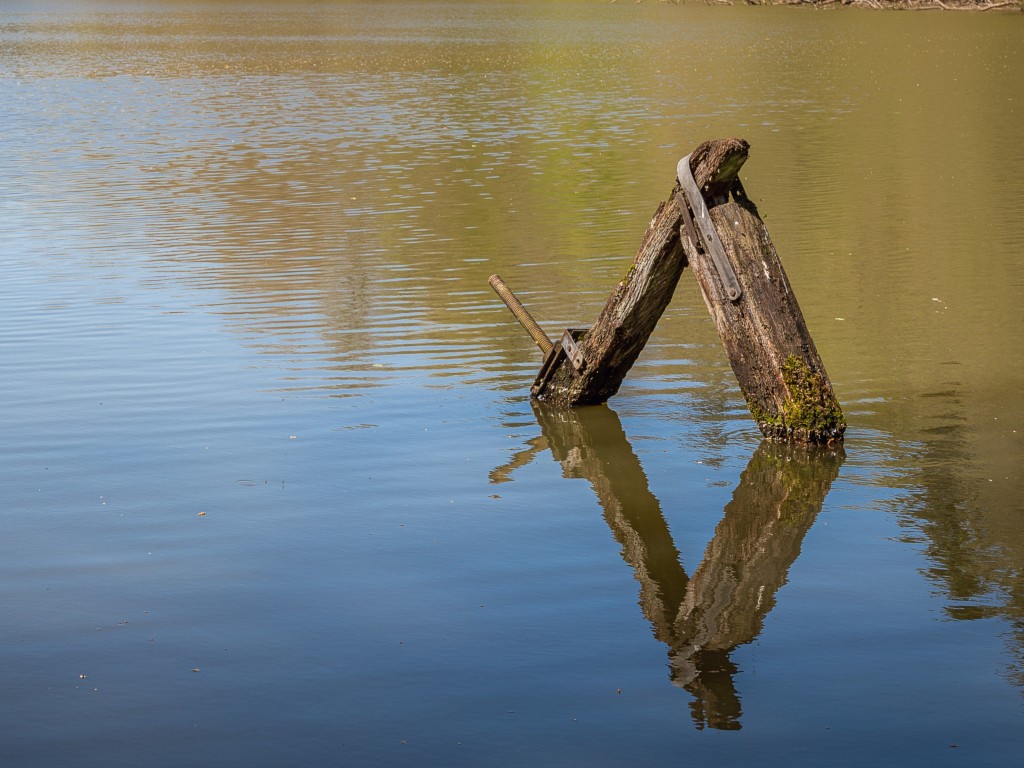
(694, 200)
(552, 360)
(567, 349)
(572, 350)
(689, 230)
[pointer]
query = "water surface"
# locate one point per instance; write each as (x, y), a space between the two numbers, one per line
(275, 493)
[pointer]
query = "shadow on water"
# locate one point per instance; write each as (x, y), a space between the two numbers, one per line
(702, 618)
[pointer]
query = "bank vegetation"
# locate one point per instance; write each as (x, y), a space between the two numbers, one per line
(901, 5)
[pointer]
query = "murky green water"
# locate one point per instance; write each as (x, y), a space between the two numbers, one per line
(274, 492)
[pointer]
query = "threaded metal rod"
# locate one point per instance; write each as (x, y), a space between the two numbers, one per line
(519, 311)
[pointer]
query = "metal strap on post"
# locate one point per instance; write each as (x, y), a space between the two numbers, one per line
(712, 245)
(572, 350)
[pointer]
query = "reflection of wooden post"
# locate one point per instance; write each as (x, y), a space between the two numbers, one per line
(779, 496)
(704, 618)
(591, 444)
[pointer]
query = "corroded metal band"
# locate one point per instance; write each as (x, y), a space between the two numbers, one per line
(702, 218)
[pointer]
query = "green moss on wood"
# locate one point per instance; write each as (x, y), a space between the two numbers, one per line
(810, 406)
(761, 416)
(625, 281)
(810, 413)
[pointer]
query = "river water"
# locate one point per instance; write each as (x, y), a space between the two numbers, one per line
(274, 489)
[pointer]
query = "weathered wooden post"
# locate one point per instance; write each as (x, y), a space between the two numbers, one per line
(753, 305)
(745, 289)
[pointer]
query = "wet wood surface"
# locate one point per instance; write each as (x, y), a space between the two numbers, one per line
(764, 333)
(761, 326)
(621, 331)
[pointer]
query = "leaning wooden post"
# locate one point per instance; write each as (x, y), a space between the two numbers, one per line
(605, 353)
(752, 303)
(745, 289)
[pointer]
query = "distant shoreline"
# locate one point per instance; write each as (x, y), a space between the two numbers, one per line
(882, 5)
(908, 5)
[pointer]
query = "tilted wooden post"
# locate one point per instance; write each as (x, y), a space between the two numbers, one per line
(745, 289)
(770, 349)
(621, 331)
